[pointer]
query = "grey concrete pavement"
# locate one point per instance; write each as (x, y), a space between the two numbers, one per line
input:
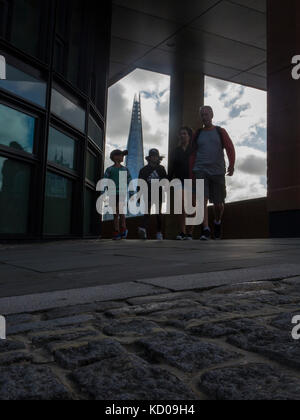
(49, 267)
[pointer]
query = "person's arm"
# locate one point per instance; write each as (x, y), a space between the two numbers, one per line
(230, 151)
(107, 174)
(163, 173)
(142, 174)
(173, 166)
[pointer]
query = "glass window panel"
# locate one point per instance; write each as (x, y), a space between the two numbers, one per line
(89, 206)
(76, 34)
(61, 149)
(16, 129)
(67, 110)
(14, 196)
(24, 85)
(26, 25)
(91, 167)
(95, 133)
(58, 205)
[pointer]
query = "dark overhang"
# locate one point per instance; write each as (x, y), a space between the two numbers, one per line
(223, 39)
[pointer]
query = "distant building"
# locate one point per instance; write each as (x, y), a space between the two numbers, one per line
(135, 146)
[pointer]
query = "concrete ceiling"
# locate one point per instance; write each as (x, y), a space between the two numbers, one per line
(223, 39)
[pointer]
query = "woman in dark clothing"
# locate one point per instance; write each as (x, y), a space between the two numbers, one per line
(181, 170)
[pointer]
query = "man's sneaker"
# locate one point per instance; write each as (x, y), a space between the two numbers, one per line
(206, 234)
(188, 238)
(159, 236)
(181, 237)
(142, 233)
(218, 231)
(117, 236)
(124, 233)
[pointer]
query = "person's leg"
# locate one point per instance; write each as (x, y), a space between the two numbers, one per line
(190, 229)
(183, 217)
(117, 222)
(143, 229)
(123, 222)
(159, 219)
(219, 212)
(206, 218)
(182, 221)
(218, 198)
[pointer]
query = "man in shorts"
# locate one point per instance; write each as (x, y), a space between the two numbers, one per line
(208, 163)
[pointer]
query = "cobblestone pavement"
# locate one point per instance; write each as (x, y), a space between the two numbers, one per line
(231, 342)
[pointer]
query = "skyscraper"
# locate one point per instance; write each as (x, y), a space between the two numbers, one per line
(135, 146)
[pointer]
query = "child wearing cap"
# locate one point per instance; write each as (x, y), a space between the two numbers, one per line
(113, 173)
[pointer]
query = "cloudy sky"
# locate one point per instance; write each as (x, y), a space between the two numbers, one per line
(240, 110)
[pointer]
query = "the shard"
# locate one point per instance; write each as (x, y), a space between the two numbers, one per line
(135, 146)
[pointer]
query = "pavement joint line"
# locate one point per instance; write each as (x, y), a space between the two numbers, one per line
(140, 288)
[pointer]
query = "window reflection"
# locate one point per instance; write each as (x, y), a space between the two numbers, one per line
(95, 132)
(16, 129)
(67, 110)
(58, 205)
(91, 167)
(14, 196)
(61, 149)
(25, 23)
(89, 206)
(24, 85)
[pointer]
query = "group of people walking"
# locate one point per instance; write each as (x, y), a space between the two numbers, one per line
(200, 155)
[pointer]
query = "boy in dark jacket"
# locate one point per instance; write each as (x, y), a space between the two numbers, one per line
(153, 171)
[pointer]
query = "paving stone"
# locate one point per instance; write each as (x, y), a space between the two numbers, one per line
(274, 344)
(8, 345)
(30, 383)
(134, 327)
(13, 358)
(237, 302)
(92, 352)
(83, 309)
(244, 287)
(250, 382)
(130, 378)
(70, 311)
(284, 321)
(148, 308)
(19, 319)
(295, 281)
(46, 338)
(163, 298)
(225, 328)
(184, 352)
(48, 325)
(179, 318)
(105, 306)
(279, 299)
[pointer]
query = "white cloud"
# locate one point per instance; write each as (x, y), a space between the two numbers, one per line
(155, 94)
(241, 110)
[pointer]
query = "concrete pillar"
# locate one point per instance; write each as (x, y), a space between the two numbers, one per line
(186, 97)
(283, 119)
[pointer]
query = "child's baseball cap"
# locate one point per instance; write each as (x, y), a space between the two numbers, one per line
(118, 152)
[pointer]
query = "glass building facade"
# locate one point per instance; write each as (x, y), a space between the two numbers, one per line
(52, 116)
